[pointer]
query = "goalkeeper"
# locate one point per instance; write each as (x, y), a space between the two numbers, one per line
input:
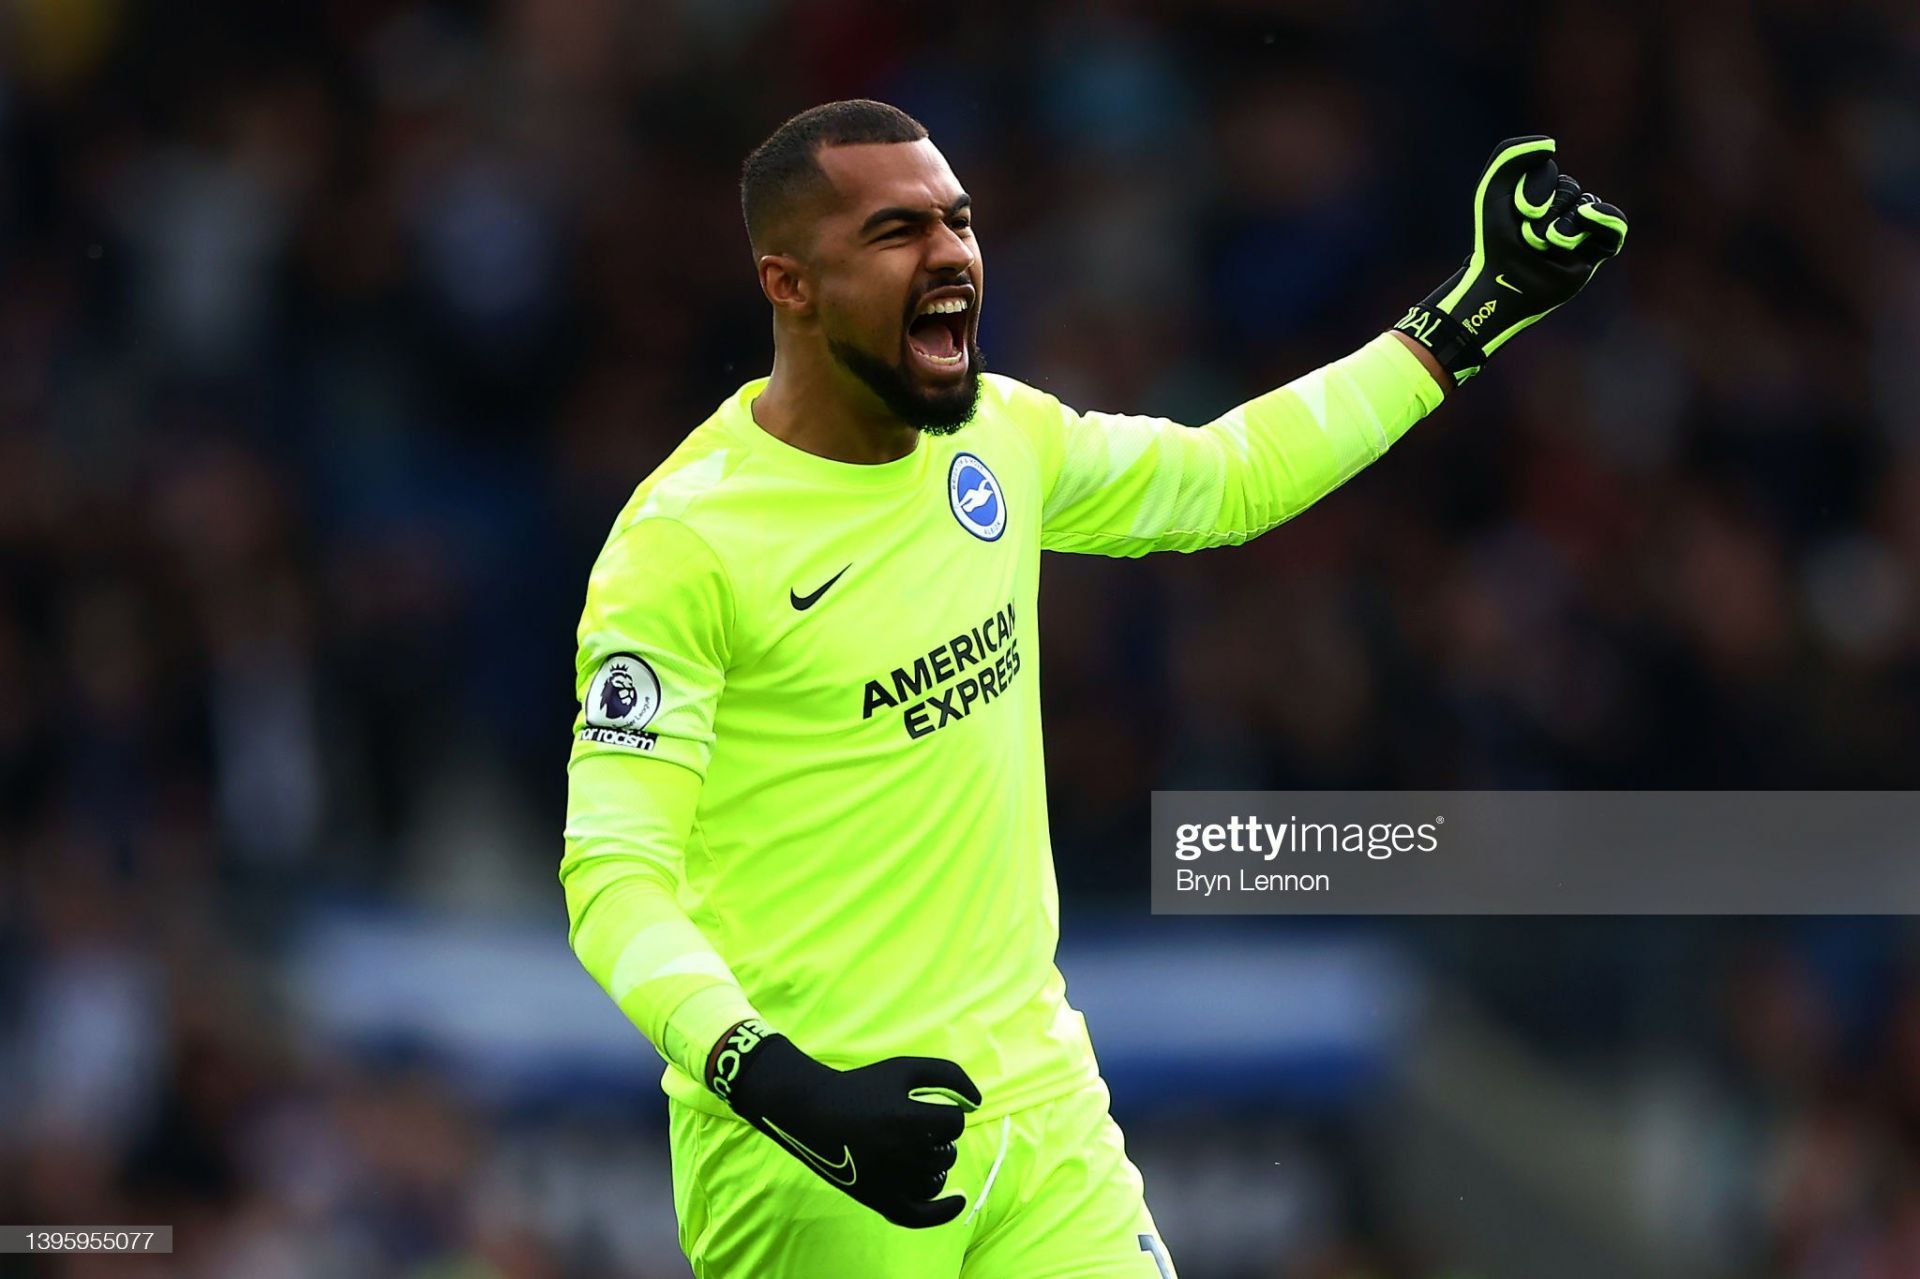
(806, 844)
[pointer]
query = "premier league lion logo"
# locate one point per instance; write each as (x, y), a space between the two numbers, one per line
(618, 696)
(625, 694)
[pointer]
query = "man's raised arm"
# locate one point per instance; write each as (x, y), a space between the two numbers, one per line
(1125, 485)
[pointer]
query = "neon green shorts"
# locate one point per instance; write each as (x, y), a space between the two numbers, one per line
(1050, 1194)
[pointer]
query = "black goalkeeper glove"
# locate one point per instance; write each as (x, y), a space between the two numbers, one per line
(1537, 239)
(869, 1131)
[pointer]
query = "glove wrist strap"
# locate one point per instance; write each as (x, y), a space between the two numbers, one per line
(733, 1051)
(1452, 346)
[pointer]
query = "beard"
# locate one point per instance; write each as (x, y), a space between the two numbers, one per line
(935, 412)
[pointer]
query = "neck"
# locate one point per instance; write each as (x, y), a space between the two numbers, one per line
(827, 411)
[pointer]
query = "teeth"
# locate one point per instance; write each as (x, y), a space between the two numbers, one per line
(945, 306)
(955, 358)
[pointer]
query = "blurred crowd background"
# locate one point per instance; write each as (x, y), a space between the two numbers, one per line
(333, 335)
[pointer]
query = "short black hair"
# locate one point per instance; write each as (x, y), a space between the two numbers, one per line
(784, 168)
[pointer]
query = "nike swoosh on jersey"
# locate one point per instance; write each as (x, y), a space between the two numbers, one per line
(831, 1171)
(805, 602)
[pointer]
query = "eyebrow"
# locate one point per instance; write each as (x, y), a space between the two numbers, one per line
(900, 213)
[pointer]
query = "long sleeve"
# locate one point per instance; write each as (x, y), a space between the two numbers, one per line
(1126, 485)
(654, 642)
(628, 820)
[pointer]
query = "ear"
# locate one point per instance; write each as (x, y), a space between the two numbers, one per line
(786, 285)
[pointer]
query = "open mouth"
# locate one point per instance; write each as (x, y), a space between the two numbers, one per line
(938, 335)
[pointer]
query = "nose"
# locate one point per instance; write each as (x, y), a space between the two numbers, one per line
(949, 251)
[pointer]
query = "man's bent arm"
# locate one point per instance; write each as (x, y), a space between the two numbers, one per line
(655, 639)
(628, 820)
(1126, 485)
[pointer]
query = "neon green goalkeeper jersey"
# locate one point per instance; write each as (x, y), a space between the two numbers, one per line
(807, 780)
